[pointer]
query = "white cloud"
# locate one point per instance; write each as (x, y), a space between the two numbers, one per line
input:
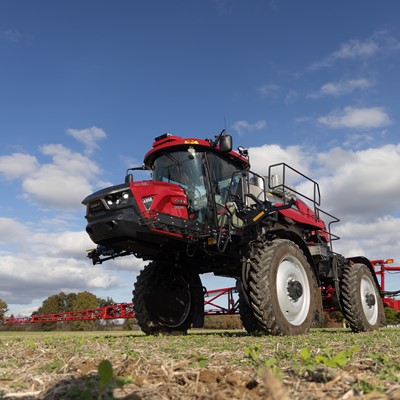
(361, 185)
(377, 239)
(38, 239)
(88, 136)
(12, 231)
(358, 141)
(44, 263)
(356, 118)
(62, 183)
(41, 258)
(295, 156)
(242, 127)
(11, 35)
(37, 262)
(291, 96)
(62, 244)
(351, 50)
(341, 88)
(24, 277)
(18, 165)
(355, 49)
(268, 90)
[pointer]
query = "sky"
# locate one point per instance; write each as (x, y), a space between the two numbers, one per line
(86, 86)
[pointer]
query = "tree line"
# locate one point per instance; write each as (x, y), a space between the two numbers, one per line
(63, 302)
(3, 310)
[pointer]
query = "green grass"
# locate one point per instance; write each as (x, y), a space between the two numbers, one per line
(368, 362)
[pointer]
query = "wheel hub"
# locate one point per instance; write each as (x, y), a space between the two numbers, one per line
(370, 299)
(295, 290)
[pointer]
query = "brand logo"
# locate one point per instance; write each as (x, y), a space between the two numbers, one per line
(147, 202)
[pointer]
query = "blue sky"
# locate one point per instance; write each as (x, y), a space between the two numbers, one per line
(86, 86)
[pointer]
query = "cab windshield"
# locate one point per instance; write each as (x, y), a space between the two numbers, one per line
(186, 169)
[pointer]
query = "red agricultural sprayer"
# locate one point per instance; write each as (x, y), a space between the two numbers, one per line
(204, 210)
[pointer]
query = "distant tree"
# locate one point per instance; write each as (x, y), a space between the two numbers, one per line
(107, 324)
(62, 302)
(54, 304)
(84, 301)
(106, 302)
(3, 309)
(57, 303)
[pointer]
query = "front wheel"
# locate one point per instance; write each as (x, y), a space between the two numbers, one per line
(249, 321)
(166, 299)
(282, 288)
(361, 302)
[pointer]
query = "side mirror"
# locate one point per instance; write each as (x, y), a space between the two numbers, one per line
(128, 178)
(225, 144)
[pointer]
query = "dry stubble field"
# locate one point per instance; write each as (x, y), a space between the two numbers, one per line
(325, 363)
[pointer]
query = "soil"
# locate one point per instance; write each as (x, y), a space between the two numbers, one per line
(200, 366)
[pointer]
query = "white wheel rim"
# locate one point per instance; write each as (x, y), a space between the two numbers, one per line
(294, 308)
(367, 288)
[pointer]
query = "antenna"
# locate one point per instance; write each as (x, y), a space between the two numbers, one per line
(218, 138)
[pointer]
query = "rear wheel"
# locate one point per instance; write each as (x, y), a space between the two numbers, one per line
(165, 299)
(282, 288)
(361, 302)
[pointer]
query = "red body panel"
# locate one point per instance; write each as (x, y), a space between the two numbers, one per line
(162, 197)
(391, 302)
(303, 214)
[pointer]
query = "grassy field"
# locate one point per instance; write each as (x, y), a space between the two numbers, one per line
(325, 363)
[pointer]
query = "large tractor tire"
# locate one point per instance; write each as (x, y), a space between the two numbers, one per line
(360, 298)
(166, 299)
(282, 288)
(249, 321)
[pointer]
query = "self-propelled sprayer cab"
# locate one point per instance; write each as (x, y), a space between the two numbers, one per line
(202, 168)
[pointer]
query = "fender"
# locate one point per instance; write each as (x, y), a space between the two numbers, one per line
(294, 237)
(365, 261)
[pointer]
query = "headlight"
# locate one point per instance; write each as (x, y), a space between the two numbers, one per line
(116, 199)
